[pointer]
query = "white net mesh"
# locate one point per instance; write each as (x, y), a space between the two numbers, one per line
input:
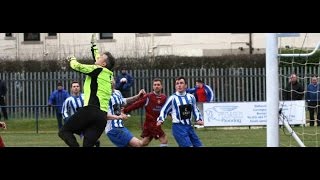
(299, 81)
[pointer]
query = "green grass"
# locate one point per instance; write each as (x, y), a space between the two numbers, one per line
(23, 133)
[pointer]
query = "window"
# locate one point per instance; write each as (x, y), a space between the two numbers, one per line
(31, 36)
(9, 36)
(154, 34)
(106, 35)
(52, 34)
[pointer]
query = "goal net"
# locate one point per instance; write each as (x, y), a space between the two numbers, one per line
(299, 69)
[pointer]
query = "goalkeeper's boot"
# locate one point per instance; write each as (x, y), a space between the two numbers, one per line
(97, 144)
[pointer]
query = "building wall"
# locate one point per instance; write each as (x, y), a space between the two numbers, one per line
(143, 44)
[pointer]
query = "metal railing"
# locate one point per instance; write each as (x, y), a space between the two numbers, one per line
(230, 85)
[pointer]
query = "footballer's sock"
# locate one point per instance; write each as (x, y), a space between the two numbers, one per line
(163, 145)
(81, 135)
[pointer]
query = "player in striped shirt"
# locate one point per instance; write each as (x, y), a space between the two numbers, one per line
(72, 103)
(182, 105)
(118, 134)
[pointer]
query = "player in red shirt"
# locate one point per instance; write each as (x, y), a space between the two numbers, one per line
(153, 103)
(2, 125)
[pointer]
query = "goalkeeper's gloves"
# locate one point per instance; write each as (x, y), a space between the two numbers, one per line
(93, 39)
(94, 47)
(70, 58)
(93, 43)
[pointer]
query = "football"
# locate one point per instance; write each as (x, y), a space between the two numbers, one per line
(123, 80)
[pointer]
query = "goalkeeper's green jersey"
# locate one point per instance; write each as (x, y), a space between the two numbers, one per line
(97, 86)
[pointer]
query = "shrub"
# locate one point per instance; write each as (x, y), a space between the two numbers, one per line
(159, 62)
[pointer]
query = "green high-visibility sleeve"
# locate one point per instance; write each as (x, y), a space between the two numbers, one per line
(97, 87)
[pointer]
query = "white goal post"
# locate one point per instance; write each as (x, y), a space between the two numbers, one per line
(272, 69)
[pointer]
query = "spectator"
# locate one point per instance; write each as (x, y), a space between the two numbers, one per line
(203, 93)
(124, 82)
(3, 92)
(56, 99)
(294, 90)
(312, 98)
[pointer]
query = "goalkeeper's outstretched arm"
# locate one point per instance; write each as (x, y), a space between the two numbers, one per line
(94, 48)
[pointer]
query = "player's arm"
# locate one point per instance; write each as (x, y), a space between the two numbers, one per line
(94, 48)
(116, 117)
(136, 105)
(132, 99)
(64, 109)
(165, 110)
(83, 68)
(210, 94)
(195, 109)
(95, 52)
(191, 90)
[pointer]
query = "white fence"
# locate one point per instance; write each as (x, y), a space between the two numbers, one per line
(230, 85)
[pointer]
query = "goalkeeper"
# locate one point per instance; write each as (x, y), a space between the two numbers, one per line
(97, 91)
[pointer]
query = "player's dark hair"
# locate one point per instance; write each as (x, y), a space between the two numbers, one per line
(110, 61)
(75, 81)
(181, 77)
(157, 79)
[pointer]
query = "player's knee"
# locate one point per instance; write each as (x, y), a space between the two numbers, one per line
(135, 142)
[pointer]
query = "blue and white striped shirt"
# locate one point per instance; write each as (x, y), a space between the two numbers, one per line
(172, 106)
(115, 103)
(71, 105)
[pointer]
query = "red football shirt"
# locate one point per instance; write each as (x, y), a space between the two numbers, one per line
(201, 94)
(153, 104)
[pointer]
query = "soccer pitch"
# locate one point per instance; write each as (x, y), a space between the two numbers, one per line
(22, 133)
